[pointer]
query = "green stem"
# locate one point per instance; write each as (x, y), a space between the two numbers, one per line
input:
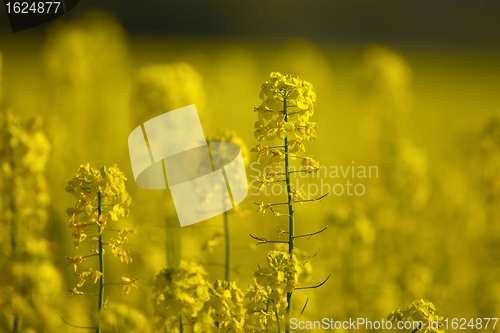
(296, 201)
(291, 222)
(228, 246)
(17, 324)
(101, 265)
(76, 326)
(90, 255)
(173, 245)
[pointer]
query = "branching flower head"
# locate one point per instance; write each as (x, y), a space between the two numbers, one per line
(273, 282)
(287, 104)
(177, 291)
(228, 136)
(422, 313)
(117, 243)
(89, 184)
(298, 96)
(226, 306)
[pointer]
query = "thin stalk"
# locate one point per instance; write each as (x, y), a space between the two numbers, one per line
(91, 255)
(76, 326)
(101, 264)
(172, 244)
(17, 324)
(228, 246)
(291, 222)
(296, 201)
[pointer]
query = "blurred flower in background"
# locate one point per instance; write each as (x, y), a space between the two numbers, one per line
(165, 87)
(88, 78)
(160, 88)
(30, 283)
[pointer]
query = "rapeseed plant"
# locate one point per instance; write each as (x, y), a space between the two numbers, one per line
(159, 88)
(30, 279)
(101, 199)
(226, 136)
(287, 104)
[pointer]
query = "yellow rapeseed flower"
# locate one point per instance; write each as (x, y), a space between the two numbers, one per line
(128, 284)
(75, 261)
(263, 207)
(310, 164)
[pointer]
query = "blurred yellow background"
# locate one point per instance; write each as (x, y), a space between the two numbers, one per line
(428, 227)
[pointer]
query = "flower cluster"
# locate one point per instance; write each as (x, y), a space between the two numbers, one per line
(226, 307)
(163, 87)
(419, 311)
(117, 243)
(179, 292)
(183, 294)
(101, 198)
(287, 104)
(228, 136)
(24, 151)
(281, 276)
(267, 296)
